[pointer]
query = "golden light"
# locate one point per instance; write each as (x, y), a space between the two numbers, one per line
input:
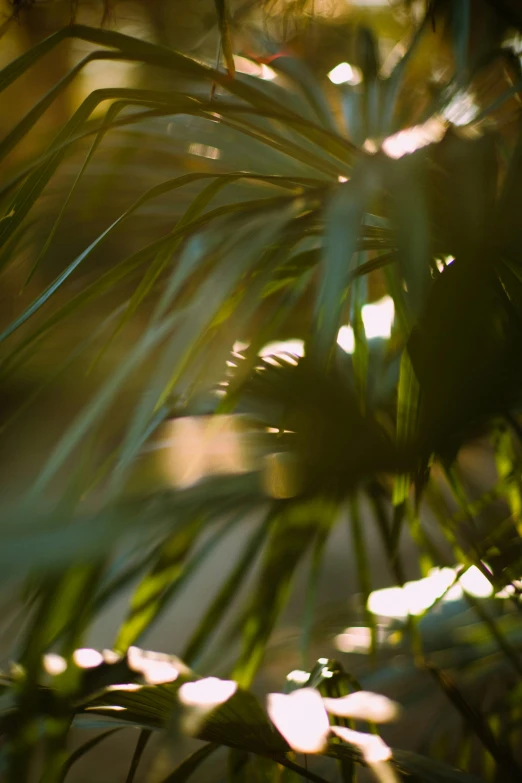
(54, 664)
(87, 658)
(283, 348)
(363, 705)
(201, 446)
(282, 478)
(252, 68)
(344, 73)
(204, 151)
(300, 717)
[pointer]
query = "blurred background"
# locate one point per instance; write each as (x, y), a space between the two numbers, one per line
(41, 395)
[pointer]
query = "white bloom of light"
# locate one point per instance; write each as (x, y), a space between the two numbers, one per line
(344, 73)
(355, 639)
(411, 139)
(209, 692)
(300, 717)
(378, 318)
(295, 347)
(54, 664)
(108, 708)
(372, 747)
(298, 676)
(200, 699)
(462, 109)
(363, 705)
(475, 583)
(86, 658)
(155, 668)
(346, 339)
(128, 687)
(262, 71)
(267, 73)
(416, 597)
(111, 656)
(389, 602)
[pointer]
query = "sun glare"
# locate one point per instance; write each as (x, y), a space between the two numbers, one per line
(208, 692)
(416, 597)
(86, 658)
(301, 719)
(411, 139)
(377, 319)
(344, 73)
(155, 668)
(54, 664)
(363, 705)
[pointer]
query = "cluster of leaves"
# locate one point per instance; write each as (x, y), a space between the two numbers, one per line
(304, 211)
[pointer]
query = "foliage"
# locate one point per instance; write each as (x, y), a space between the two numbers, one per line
(317, 199)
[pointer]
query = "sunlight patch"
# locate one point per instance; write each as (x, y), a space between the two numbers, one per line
(54, 664)
(344, 73)
(87, 658)
(300, 717)
(363, 705)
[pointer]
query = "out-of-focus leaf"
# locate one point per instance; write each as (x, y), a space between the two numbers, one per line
(149, 596)
(242, 723)
(226, 594)
(407, 418)
(85, 748)
(343, 225)
(478, 723)
(191, 764)
(143, 739)
(303, 76)
(223, 14)
(461, 11)
(363, 568)
(419, 769)
(295, 526)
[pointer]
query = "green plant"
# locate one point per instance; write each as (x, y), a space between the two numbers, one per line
(364, 189)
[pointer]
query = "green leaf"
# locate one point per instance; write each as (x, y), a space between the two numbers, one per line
(143, 739)
(295, 527)
(419, 769)
(407, 418)
(223, 13)
(343, 225)
(85, 748)
(156, 586)
(460, 18)
(363, 569)
(242, 723)
(221, 603)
